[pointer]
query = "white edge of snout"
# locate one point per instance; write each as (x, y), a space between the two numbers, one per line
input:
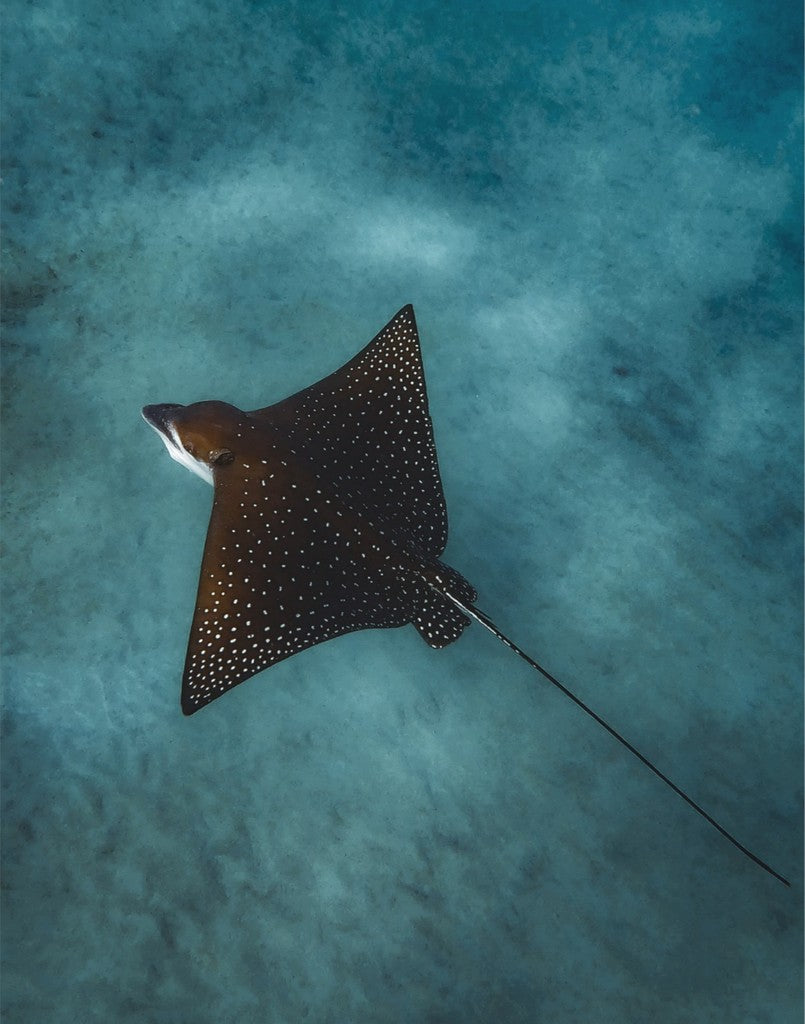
(178, 453)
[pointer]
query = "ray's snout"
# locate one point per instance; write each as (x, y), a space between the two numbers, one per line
(159, 416)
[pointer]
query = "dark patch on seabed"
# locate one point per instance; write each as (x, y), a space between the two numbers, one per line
(597, 216)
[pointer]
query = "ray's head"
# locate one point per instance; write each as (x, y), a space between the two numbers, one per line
(202, 437)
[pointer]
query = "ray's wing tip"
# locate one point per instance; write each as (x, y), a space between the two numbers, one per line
(189, 707)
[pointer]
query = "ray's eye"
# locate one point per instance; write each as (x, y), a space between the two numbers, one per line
(221, 457)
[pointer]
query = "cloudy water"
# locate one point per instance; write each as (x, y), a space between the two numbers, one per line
(595, 211)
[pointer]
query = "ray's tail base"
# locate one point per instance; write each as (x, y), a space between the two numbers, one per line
(469, 609)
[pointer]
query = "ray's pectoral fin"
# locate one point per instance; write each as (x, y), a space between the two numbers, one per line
(367, 428)
(286, 565)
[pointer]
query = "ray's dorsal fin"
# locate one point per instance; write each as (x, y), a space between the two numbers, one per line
(367, 430)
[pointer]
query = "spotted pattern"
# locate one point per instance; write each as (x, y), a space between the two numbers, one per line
(329, 519)
(368, 431)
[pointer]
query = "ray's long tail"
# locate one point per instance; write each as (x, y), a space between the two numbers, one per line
(478, 615)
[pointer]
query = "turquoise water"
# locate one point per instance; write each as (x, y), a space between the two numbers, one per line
(595, 211)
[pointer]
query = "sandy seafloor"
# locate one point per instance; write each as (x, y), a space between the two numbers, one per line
(594, 209)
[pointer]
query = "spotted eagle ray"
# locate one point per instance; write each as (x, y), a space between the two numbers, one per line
(328, 516)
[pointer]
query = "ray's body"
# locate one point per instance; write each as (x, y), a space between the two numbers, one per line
(328, 517)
